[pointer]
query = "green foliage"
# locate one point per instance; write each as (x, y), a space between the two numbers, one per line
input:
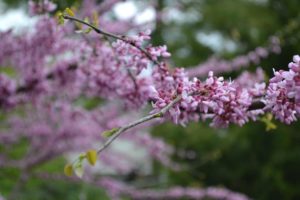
(38, 189)
(261, 164)
(270, 125)
(61, 4)
(9, 71)
(78, 165)
(91, 156)
(8, 177)
(60, 18)
(69, 12)
(264, 165)
(110, 132)
(68, 170)
(88, 103)
(17, 150)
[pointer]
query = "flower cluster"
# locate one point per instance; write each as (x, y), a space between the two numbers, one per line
(7, 89)
(228, 103)
(283, 93)
(131, 56)
(224, 101)
(254, 82)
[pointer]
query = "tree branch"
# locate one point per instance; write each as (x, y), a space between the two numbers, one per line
(31, 85)
(159, 114)
(111, 35)
(254, 106)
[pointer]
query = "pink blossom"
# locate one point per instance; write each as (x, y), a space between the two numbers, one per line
(41, 7)
(283, 93)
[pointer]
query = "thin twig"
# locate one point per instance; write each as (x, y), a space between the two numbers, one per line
(111, 35)
(159, 114)
(133, 79)
(31, 85)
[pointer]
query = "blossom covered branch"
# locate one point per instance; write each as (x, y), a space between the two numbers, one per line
(64, 90)
(134, 43)
(224, 102)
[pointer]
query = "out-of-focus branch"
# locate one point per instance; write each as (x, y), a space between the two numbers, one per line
(31, 85)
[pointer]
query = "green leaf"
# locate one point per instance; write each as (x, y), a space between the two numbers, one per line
(91, 156)
(78, 169)
(95, 19)
(60, 18)
(81, 157)
(268, 122)
(69, 12)
(88, 30)
(86, 19)
(109, 133)
(68, 170)
(9, 71)
(158, 115)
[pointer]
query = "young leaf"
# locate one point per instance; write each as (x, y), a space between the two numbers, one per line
(68, 170)
(268, 122)
(88, 30)
(78, 169)
(109, 133)
(86, 19)
(81, 157)
(95, 19)
(69, 12)
(60, 18)
(91, 156)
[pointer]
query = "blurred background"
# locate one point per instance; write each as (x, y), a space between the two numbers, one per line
(261, 164)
